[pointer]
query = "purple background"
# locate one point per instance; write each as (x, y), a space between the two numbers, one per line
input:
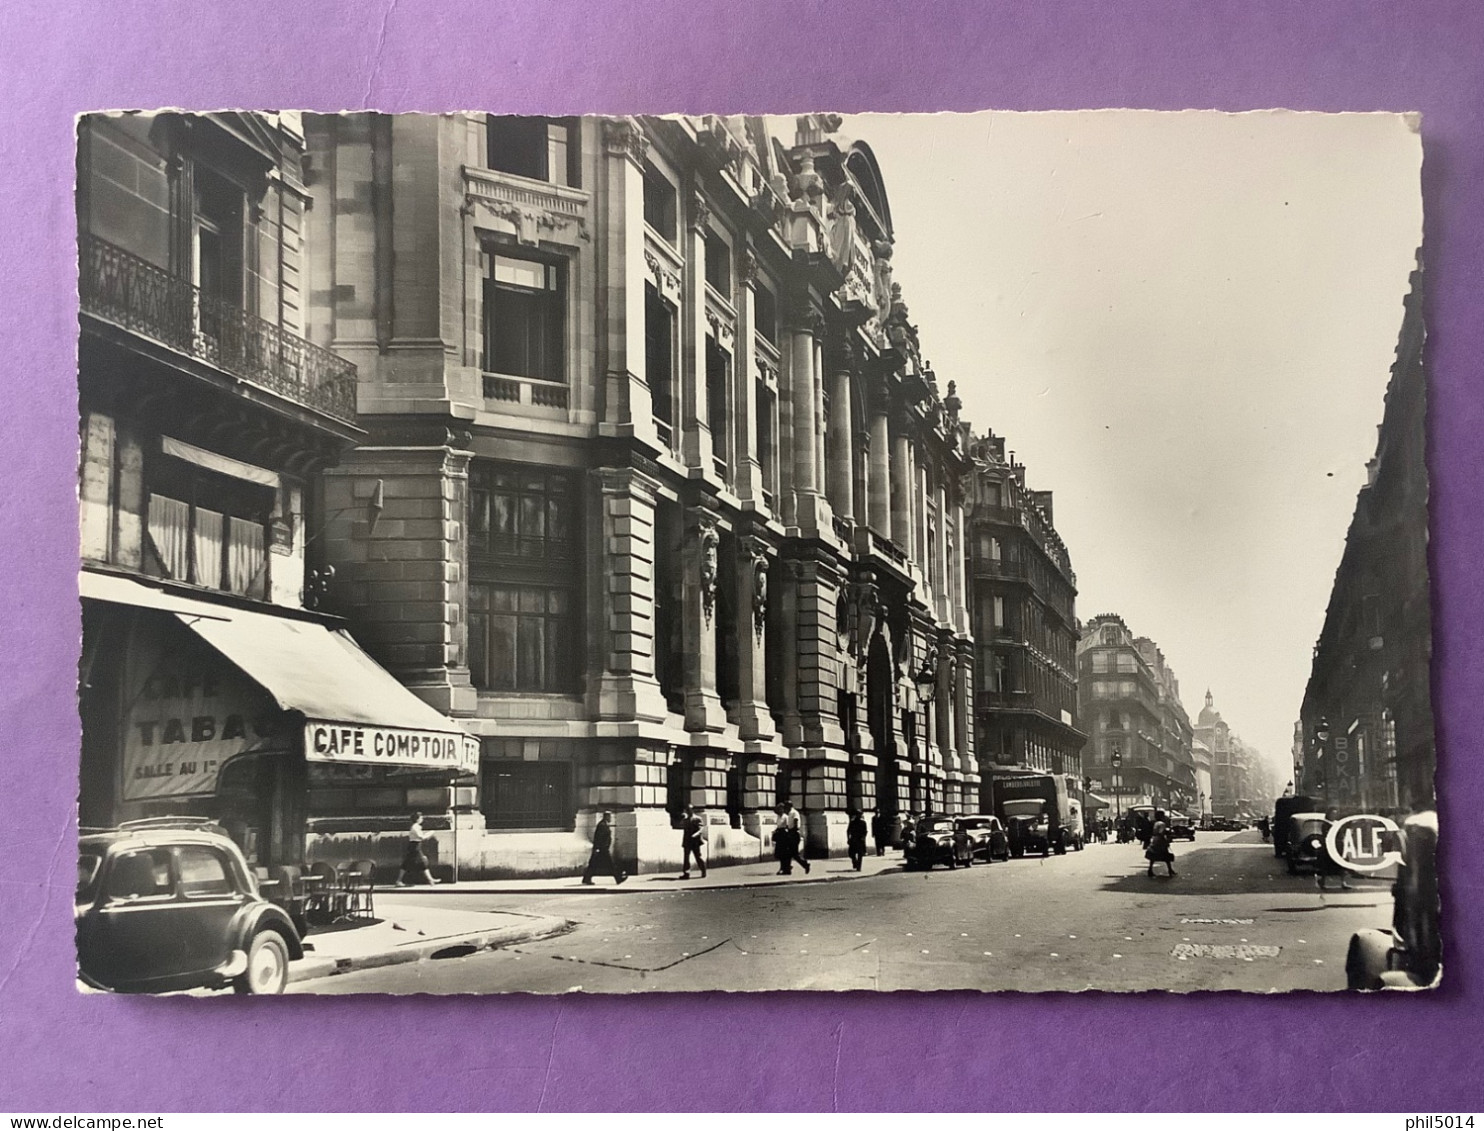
(996, 1052)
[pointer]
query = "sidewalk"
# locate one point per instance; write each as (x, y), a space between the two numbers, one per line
(412, 932)
(762, 874)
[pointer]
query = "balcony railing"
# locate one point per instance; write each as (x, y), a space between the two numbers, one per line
(133, 293)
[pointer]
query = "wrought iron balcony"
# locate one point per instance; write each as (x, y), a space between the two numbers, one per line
(120, 288)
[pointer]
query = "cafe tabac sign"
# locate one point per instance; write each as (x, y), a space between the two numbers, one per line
(187, 713)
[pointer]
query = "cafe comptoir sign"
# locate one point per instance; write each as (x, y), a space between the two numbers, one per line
(190, 712)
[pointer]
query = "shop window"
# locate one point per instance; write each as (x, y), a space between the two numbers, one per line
(525, 576)
(207, 529)
(719, 265)
(659, 361)
(528, 795)
(525, 318)
(543, 149)
(659, 203)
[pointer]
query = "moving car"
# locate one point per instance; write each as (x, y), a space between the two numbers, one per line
(1283, 809)
(987, 838)
(170, 904)
(1410, 955)
(1181, 827)
(933, 844)
(1305, 841)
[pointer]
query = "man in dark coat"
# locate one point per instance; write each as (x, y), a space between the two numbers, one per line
(880, 831)
(602, 854)
(693, 843)
(855, 838)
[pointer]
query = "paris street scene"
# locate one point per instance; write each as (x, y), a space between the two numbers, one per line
(615, 554)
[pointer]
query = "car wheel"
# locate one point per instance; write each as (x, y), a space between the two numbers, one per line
(267, 965)
(1366, 961)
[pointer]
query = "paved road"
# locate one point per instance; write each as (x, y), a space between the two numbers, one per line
(1232, 919)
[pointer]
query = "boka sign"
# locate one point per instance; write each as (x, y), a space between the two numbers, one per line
(1363, 843)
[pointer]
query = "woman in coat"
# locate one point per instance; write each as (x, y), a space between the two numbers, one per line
(1159, 848)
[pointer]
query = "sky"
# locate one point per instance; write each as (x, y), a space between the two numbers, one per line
(1184, 324)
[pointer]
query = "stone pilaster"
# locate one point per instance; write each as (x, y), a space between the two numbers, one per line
(880, 500)
(759, 796)
(628, 408)
(748, 472)
(628, 689)
(811, 512)
(754, 720)
(696, 445)
(903, 480)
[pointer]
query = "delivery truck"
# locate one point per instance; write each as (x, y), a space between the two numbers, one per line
(1040, 814)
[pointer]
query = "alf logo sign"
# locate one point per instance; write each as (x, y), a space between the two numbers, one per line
(1363, 843)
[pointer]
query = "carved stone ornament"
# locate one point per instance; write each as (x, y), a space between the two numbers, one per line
(953, 403)
(700, 214)
(747, 265)
(709, 543)
(622, 136)
(808, 184)
(842, 229)
(757, 553)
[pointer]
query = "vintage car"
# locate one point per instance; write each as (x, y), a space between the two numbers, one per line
(1306, 842)
(170, 904)
(987, 838)
(1181, 827)
(933, 844)
(1410, 955)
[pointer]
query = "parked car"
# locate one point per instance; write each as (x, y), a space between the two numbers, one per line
(987, 838)
(1181, 827)
(1305, 841)
(933, 844)
(1410, 955)
(170, 904)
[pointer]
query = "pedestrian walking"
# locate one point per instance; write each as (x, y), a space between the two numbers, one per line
(1159, 848)
(602, 859)
(781, 850)
(795, 827)
(962, 853)
(1326, 866)
(415, 867)
(909, 833)
(880, 830)
(693, 843)
(855, 839)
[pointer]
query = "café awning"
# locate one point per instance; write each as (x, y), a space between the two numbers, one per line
(1095, 801)
(355, 712)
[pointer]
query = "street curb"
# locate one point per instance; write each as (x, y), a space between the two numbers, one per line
(482, 887)
(540, 927)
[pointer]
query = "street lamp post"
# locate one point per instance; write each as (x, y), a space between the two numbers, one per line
(1117, 763)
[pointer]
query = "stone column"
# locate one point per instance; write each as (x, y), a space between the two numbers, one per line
(628, 409)
(842, 442)
(760, 798)
(811, 512)
(696, 446)
(903, 482)
(748, 471)
(627, 690)
(878, 472)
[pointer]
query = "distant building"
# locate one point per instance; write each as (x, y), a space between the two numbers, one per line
(1131, 708)
(1241, 782)
(1201, 755)
(1368, 690)
(1024, 622)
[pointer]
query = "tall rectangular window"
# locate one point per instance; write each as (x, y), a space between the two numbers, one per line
(719, 265)
(766, 455)
(659, 203)
(525, 318)
(543, 149)
(524, 579)
(765, 313)
(718, 378)
(659, 360)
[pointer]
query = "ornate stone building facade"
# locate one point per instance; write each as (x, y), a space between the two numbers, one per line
(1367, 738)
(210, 685)
(1025, 624)
(1130, 702)
(666, 506)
